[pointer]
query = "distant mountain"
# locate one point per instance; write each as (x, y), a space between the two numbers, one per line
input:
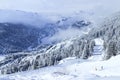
(25, 31)
(17, 37)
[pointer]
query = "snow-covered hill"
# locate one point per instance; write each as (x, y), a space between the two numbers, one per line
(75, 47)
(109, 30)
(72, 69)
(75, 69)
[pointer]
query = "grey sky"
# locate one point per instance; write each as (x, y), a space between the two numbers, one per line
(60, 6)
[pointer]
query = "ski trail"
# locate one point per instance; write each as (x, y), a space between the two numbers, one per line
(98, 50)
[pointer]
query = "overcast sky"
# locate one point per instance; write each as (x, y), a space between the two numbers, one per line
(60, 6)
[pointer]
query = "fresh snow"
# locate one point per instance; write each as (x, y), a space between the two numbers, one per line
(99, 41)
(1, 57)
(75, 69)
(98, 49)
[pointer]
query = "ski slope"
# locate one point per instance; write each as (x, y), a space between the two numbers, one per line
(75, 69)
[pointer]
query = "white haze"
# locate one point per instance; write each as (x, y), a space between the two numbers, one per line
(53, 9)
(27, 18)
(68, 33)
(102, 7)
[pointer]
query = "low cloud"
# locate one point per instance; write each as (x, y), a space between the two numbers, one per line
(67, 34)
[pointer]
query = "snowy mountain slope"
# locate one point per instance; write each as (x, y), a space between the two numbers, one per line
(76, 47)
(109, 30)
(74, 69)
(81, 47)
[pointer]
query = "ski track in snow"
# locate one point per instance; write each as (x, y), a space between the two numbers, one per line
(75, 69)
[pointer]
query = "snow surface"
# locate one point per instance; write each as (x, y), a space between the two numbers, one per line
(74, 69)
(98, 49)
(1, 57)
